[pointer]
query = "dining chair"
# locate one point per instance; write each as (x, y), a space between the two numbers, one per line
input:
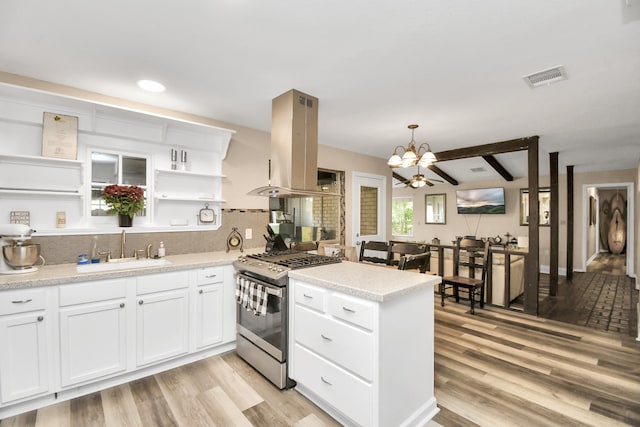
(415, 262)
(366, 249)
(470, 256)
(400, 249)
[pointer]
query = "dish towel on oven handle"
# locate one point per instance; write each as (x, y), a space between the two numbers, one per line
(252, 296)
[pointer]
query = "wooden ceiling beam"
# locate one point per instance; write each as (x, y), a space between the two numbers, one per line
(442, 174)
(519, 144)
(401, 178)
(495, 164)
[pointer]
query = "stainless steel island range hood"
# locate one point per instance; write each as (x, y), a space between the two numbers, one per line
(293, 168)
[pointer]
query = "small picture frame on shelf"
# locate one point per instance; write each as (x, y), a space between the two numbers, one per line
(60, 136)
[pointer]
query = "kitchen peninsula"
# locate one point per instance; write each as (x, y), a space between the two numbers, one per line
(191, 299)
(361, 342)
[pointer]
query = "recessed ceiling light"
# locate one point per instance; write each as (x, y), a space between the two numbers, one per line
(151, 86)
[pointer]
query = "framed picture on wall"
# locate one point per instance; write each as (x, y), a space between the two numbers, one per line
(435, 209)
(60, 136)
(592, 210)
(544, 206)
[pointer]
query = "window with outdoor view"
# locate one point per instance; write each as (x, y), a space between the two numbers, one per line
(402, 216)
(115, 168)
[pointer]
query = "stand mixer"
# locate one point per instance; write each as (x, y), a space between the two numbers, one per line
(18, 255)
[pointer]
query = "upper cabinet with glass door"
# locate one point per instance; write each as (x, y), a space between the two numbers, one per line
(114, 146)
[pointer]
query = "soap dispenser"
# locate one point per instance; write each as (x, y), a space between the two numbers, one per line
(161, 251)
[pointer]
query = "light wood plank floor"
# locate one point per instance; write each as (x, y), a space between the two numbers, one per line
(494, 369)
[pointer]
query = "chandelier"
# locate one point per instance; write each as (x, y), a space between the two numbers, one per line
(422, 156)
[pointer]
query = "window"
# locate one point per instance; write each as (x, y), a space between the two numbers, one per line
(402, 216)
(115, 168)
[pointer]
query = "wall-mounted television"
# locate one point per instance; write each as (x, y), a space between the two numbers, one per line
(480, 201)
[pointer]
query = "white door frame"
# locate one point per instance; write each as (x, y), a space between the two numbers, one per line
(630, 223)
(356, 179)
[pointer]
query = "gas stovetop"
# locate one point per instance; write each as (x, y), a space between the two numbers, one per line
(275, 265)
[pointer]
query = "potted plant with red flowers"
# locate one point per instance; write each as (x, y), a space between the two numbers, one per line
(125, 201)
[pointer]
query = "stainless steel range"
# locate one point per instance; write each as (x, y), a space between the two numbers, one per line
(262, 336)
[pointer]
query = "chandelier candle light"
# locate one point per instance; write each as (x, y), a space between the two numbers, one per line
(422, 156)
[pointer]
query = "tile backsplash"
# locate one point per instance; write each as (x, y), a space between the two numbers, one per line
(65, 249)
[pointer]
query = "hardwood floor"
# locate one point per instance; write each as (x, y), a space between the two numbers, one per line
(496, 368)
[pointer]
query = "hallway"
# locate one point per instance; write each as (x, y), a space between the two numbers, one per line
(606, 263)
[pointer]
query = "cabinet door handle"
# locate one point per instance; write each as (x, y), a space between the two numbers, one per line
(324, 337)
(307, 296)
(325, 381)
(121, 305)
(140, 302)
(348, 310)
(40, 318)
(200, 291)
(24, 301)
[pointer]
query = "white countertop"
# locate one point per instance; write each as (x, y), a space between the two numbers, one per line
(376, 283)
(49, 275)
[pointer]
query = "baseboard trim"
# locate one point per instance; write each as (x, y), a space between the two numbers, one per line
(545, 269)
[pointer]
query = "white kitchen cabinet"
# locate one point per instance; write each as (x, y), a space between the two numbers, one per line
(209, 296)
(64, 341)
(365, 362)
(24, 345)
(162, 317)
(93, 331)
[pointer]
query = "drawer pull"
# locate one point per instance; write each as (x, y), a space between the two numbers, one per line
(24, 301)
(325, 381)
(325, 337)
(211, 276)
(348, 310)
(307, 296)
(40, 318)
(140, 302)
(121, 305)
(200, 291)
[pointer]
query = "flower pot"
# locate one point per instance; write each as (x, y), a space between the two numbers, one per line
(125, 220)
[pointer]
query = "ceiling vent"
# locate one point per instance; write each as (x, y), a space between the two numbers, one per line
(545, 77)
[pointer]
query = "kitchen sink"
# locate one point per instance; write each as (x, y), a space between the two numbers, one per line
(122, 264)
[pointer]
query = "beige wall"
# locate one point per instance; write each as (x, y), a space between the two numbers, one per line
(349, 162)
(493, 225)
(482, 225)
(637, 229)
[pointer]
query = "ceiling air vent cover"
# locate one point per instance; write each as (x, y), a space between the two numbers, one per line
(545, 77)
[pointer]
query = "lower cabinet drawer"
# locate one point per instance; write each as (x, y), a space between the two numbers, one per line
(22, 301)
(343, 344)
(352, 310)
(348, 394)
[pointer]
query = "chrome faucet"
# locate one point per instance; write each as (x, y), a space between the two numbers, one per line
(123, 240)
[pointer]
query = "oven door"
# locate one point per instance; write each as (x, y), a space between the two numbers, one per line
(268, 332)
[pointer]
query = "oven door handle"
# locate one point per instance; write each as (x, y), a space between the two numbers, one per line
(274, 291)
(271, 290)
